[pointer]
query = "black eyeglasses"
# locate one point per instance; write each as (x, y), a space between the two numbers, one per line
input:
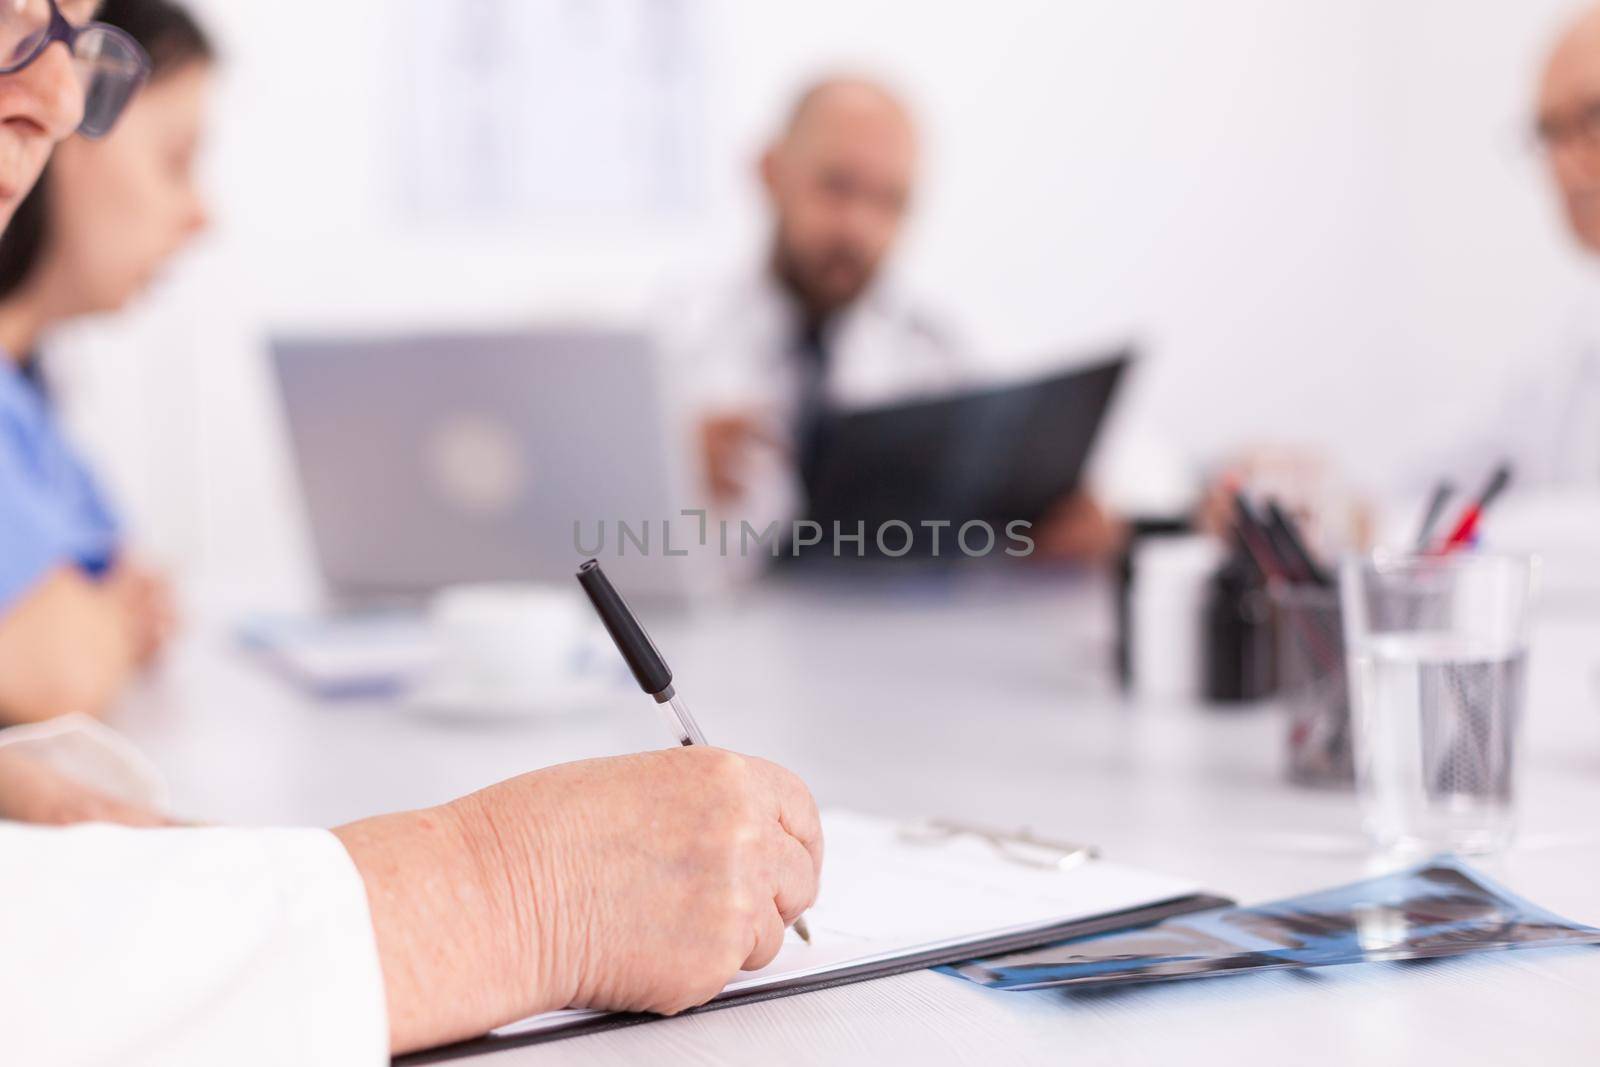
(111, 66)
(1574, 127)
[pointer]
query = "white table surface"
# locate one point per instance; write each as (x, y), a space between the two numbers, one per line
(988, 699)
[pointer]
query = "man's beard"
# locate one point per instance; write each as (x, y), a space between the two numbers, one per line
(806, 280)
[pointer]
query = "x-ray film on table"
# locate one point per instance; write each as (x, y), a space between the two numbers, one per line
(1440, 908)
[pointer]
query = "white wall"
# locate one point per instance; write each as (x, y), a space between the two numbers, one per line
(1320, 218)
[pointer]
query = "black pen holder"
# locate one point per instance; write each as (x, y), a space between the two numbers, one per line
(1238, 635)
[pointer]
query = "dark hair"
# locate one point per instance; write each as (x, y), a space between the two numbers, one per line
(173, 40)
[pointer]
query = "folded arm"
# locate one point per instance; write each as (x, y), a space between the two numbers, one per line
(66, 644)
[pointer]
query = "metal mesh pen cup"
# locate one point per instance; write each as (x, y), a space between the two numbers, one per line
(1313, 685)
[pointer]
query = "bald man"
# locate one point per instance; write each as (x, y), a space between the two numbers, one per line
(1569, 125)
(1553, 425)
(816, 327)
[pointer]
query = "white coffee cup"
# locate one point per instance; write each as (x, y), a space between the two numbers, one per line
(508, 649)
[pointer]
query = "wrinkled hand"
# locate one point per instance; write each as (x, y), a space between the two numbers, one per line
(642, 883)
(659, 876)
(32, 792)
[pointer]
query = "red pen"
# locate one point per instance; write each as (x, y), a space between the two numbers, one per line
(1468, 525)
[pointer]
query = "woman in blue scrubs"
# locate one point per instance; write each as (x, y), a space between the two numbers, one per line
(75, 610)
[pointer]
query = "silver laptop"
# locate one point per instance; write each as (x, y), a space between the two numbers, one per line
(428, 461)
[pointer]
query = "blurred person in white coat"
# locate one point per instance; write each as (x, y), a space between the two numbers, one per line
(817, 327)
(1550, 430)
(1546, 424)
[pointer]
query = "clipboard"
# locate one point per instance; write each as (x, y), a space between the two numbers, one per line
(982, 894)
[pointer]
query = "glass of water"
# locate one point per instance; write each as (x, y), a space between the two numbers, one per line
(1438, 650)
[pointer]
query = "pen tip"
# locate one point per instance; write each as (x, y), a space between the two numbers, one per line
(803, 930)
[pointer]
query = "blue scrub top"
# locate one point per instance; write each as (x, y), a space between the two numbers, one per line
(52, 511)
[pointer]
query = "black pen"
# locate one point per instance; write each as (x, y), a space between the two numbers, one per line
(1253, 535)
(644, 660)
(1293, 546)
(1441, 496)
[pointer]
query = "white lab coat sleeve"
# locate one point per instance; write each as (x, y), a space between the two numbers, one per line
(193, 946)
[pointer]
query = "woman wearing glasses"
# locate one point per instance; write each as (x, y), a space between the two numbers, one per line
(561, 888)
(106, 215)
